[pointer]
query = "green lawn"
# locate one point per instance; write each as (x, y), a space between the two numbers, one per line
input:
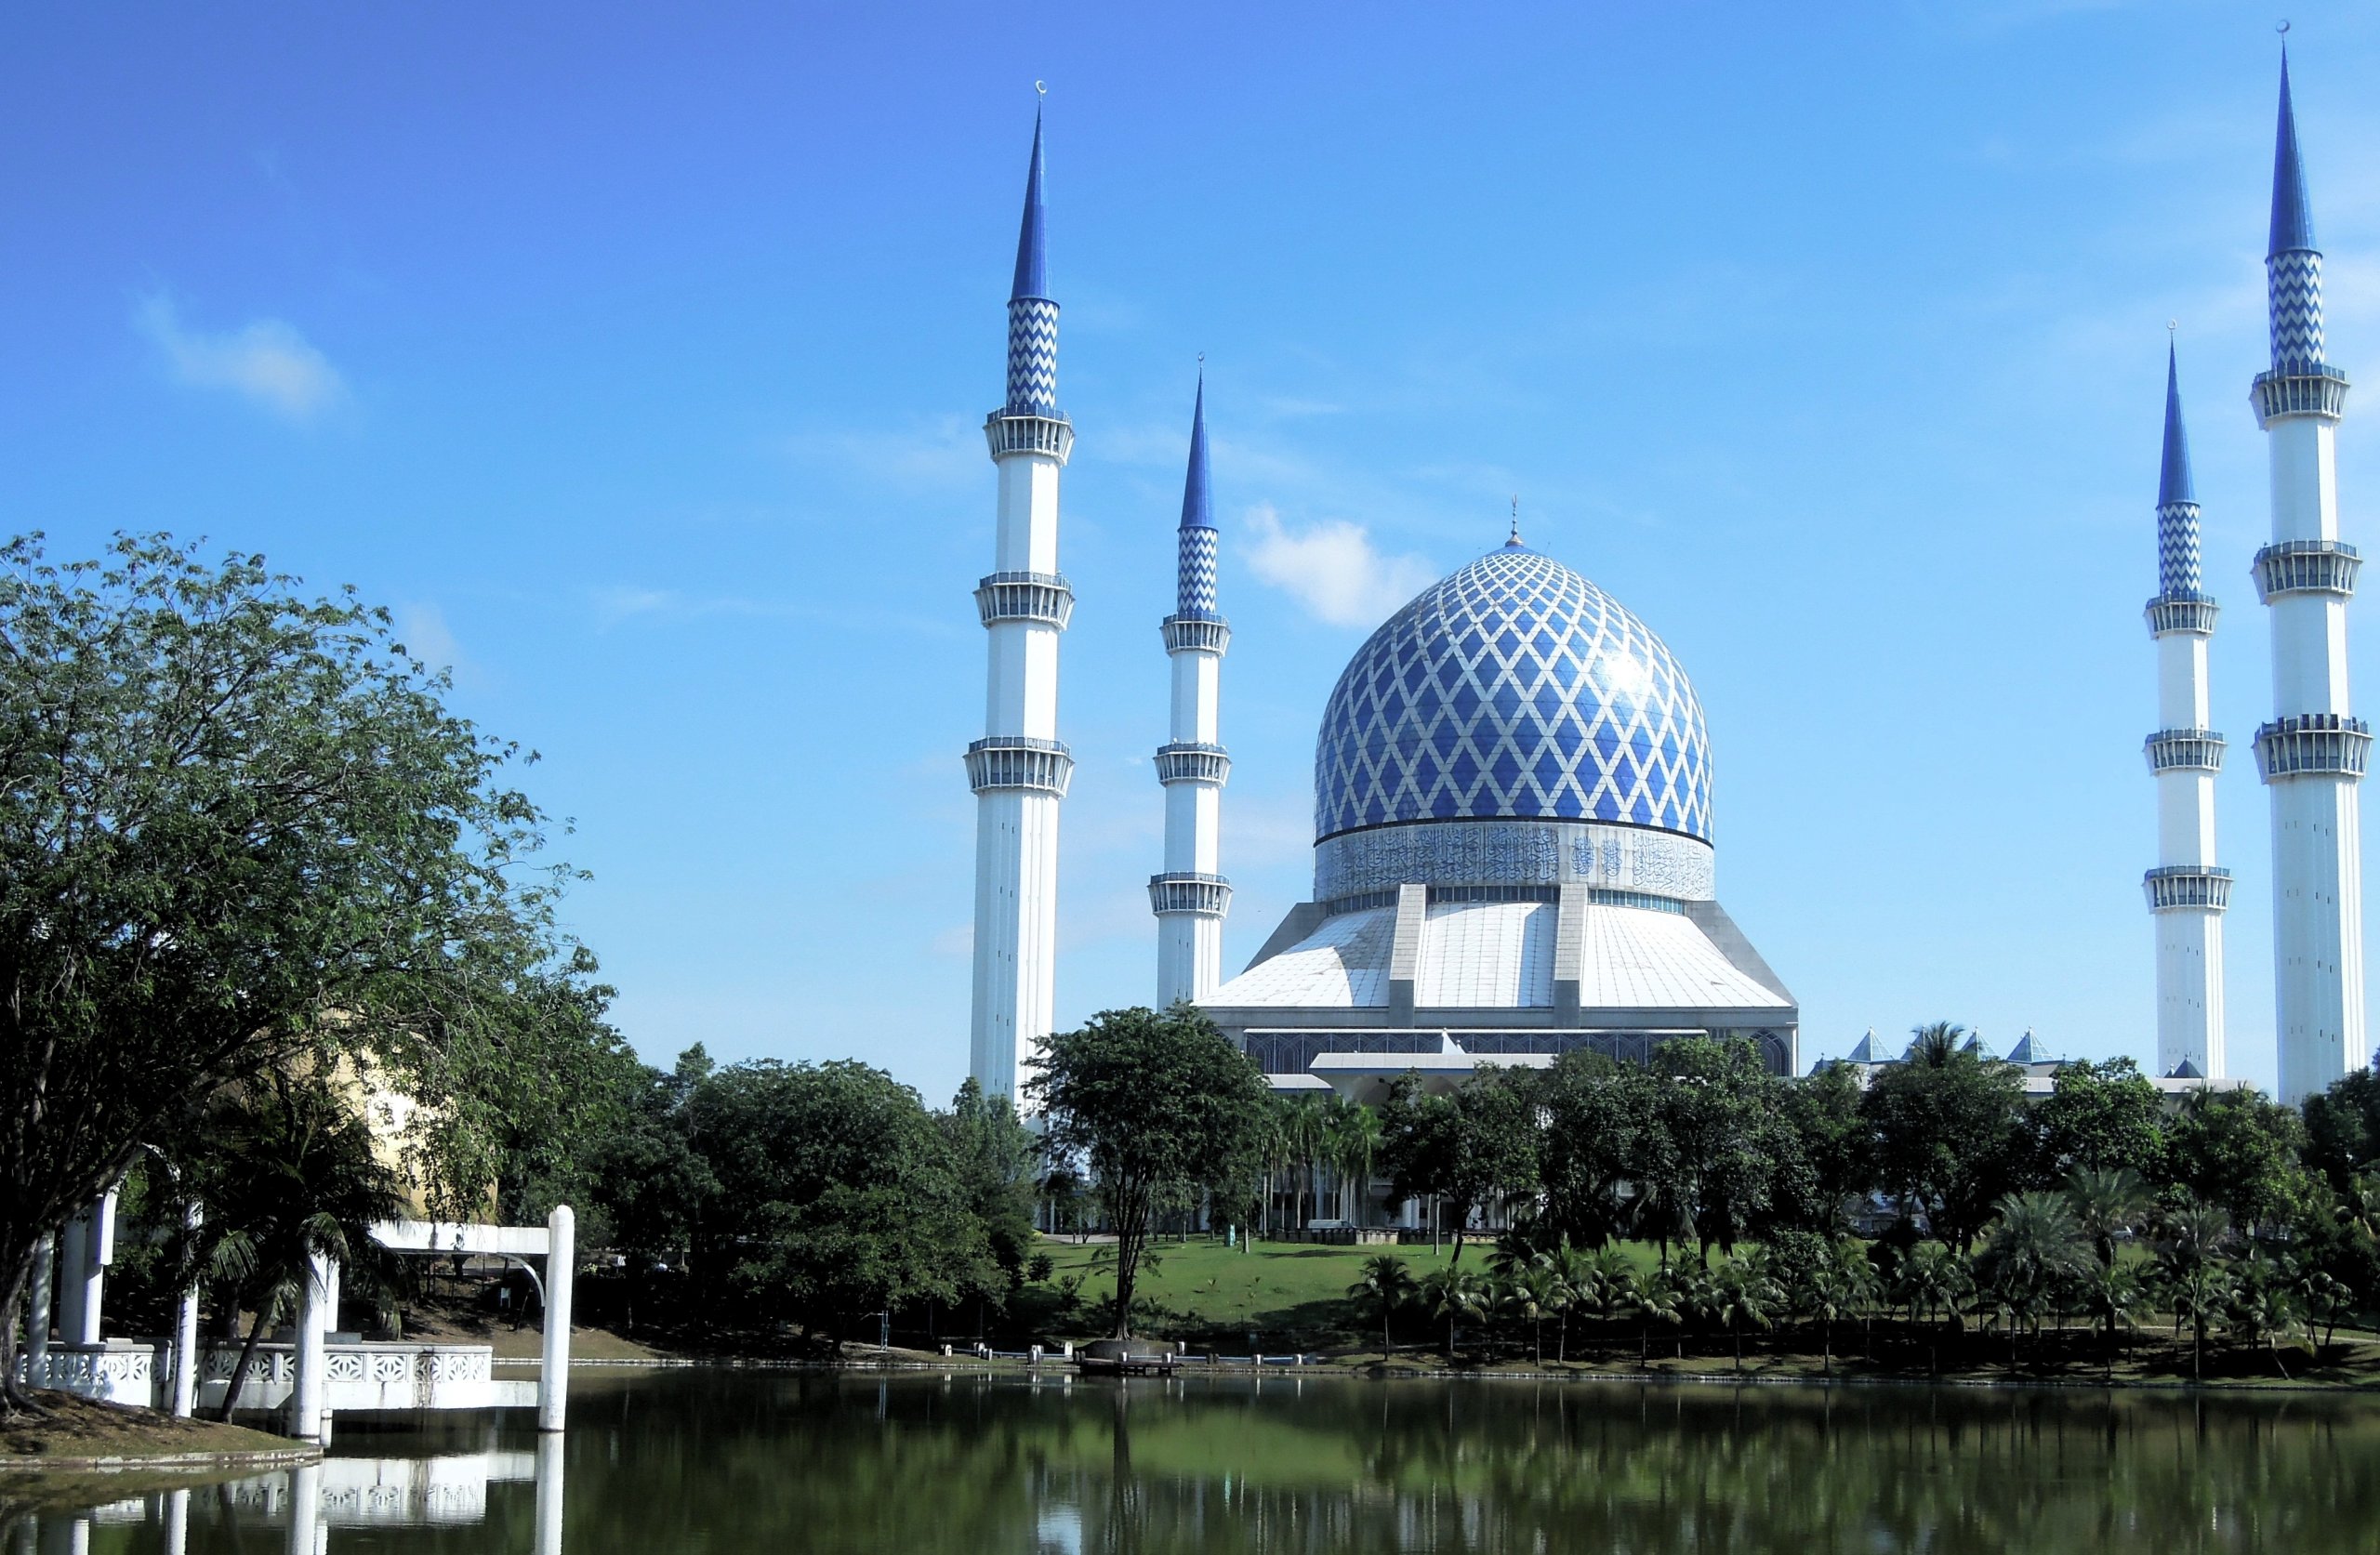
(1290, 1294)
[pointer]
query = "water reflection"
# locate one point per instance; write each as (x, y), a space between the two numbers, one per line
(699, 1460)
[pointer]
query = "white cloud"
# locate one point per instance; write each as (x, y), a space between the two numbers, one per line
(266, 359)
(423, 629)
(1333, 569)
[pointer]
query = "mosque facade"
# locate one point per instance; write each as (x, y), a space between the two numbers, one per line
(1514, 854)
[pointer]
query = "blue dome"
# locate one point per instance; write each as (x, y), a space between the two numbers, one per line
(1512, 689)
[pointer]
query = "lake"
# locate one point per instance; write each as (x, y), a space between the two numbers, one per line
(717, 1461)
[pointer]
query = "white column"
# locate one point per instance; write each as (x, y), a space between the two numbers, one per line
(549, 1493)
(553, 1376)
(37, 1304)
(177, 1522)
(306, 1397)
(2316, 818)
(1020, 769)
(98, 1251)
(305, 1535)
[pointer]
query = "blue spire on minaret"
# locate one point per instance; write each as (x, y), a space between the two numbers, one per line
(2174, 476)
(2179, 572)
(1032, 276)
(1195, 585)
(1032, 317)
(2292, 265)
(2293, 220)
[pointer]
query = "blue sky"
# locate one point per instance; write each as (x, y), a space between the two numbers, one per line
(635, 357)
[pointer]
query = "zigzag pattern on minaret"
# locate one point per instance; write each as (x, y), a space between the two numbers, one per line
(2294, 284)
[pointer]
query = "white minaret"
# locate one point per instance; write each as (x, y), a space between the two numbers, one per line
(1019, 768)
(2186, 892)
(1191, 897)
(2312, 753)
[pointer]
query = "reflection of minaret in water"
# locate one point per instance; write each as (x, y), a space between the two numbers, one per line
(1019, 768)
(1191, 897)
(2186, 892)
(2312, 753)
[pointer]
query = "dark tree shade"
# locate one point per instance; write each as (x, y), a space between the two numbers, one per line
(1472, 1146)
(2343, 1128)
(1158, 1106)
(1948, 1131)
(2104, 1116)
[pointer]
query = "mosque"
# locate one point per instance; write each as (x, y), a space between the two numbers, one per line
(1513, 853)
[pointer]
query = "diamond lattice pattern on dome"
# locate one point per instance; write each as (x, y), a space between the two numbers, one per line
(1513, 687)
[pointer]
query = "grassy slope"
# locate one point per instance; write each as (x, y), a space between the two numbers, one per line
(80, 1429)
(1294, 1297)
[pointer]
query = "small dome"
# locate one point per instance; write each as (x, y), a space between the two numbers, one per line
(1512, 689)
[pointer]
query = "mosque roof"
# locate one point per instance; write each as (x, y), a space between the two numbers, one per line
(1500, 955)
(1513, 687)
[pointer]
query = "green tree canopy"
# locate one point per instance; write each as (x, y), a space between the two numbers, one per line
(240, 832)
(839, 1195)
(1158, 1106)
(2104, 1116)
(1948, 1131)
(2239, 1149)
(2343, 1128)
(1475, 1145)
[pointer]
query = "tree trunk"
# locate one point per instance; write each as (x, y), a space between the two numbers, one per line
(231, 1390)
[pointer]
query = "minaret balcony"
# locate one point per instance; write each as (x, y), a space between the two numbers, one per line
(1203, 895)
(1045, 597)
(2188, 887)
(1193, 763)
(1018, 761)
(2306, 567)
(2320, 389)
(2181, 613)
(1205, 633)
(2185, 750)
(2313, 744)
(1011, 433)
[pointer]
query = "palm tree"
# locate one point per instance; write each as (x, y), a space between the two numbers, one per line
(2111, 1291)
(1830, 1293)
(1453, 1293)
(2036, 1251)
(2190, 1272)
(1932, 1046)
(2108, 1201)
(1352, 1139)
(1534, 1293)
(1386, 1283)
(2263, 1306)
(291, 1177)
(1657, 1301)
(1743, 1294)
(1581, 1280)
(1617, 1285)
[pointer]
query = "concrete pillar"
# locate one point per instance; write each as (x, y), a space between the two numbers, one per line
(85, 1276)
(37, 1305)
(306, 1398)
(549, 1493)
(187, 1359)
(553, 1376)
(177, 1522)
(306, 1532)
(73, 1253)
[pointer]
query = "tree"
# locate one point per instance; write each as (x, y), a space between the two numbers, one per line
(993, 1155)
(2343, 1128)
(284, 1172)
(838, 1194)
(1831, 1161)
(1724, 1114)
(1949, 1136)
(1385, 1285)
(1744, 1295)
(2104, 1116)
(1352, 1139)
(240, 834)
(2108, 1201)
(1453, 1293)
(2238, 1150)
(1603, 1131)
(2190, 1272)
(1157, 1105)
(2038, 1250)
(2264, 1307)
(1473, 1146)
(643, 1175)
(2111, 1291)
(1535, 1293)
